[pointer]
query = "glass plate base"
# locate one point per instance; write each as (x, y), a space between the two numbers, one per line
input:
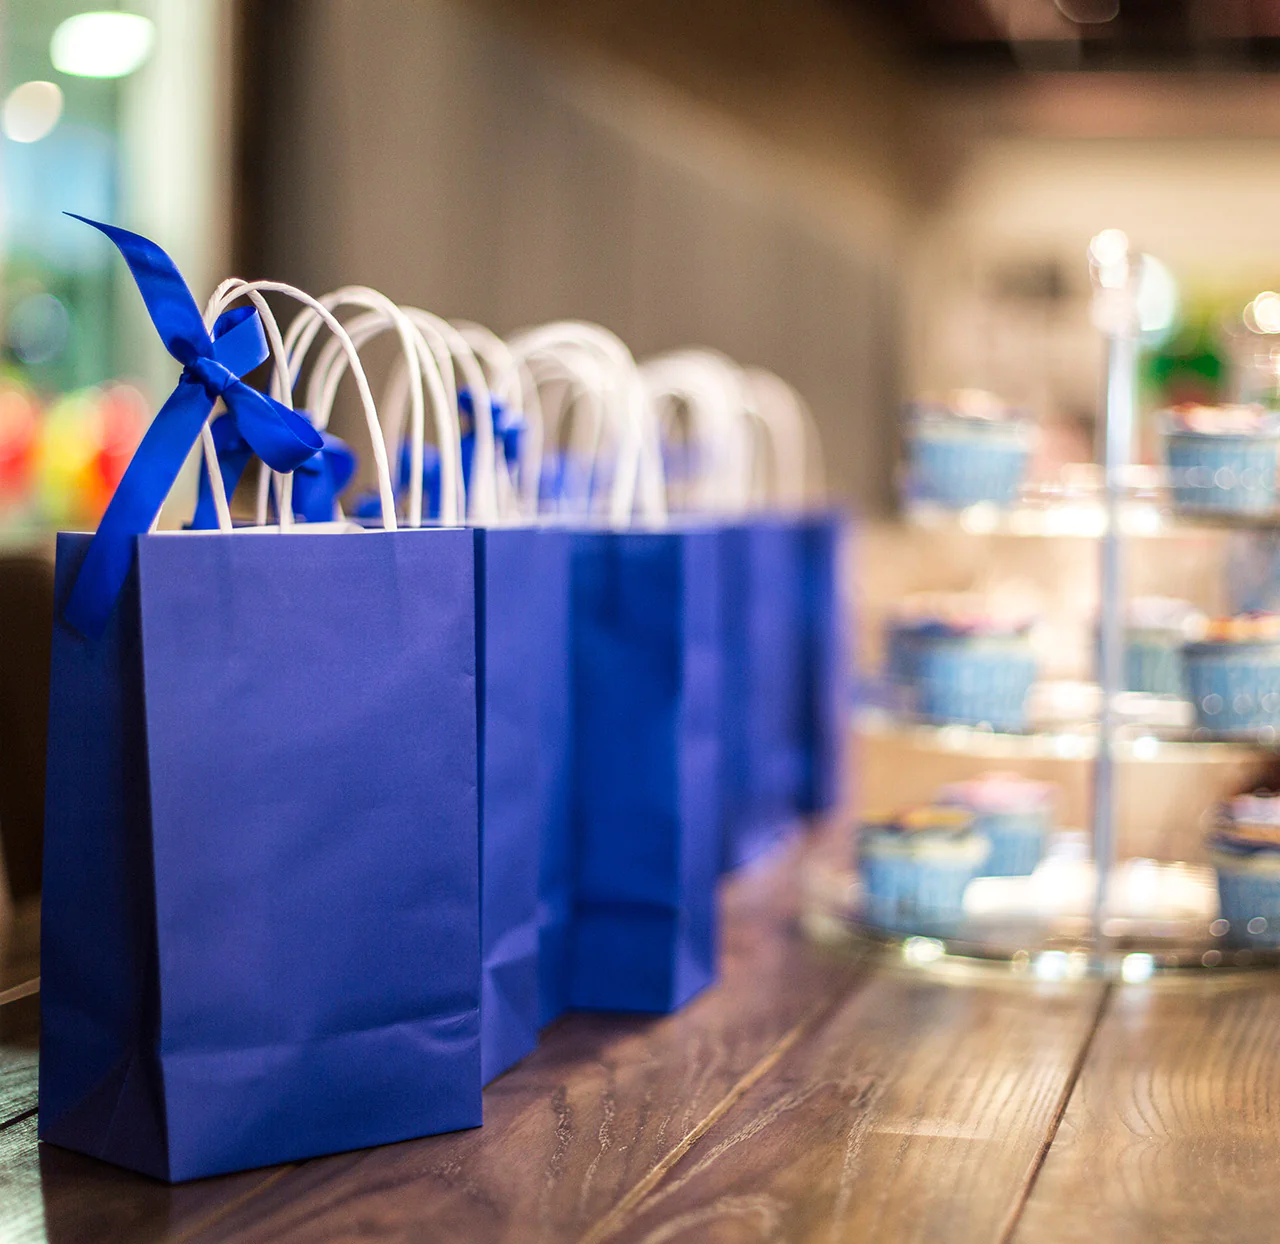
(1160, 918)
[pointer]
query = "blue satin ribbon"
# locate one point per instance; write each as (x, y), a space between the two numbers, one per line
(369, 504)
(508, 428)
(212, 364)
(317, 483)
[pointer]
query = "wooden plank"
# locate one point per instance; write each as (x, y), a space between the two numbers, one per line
(51, 1194)
(1173, 1132)
(603, 1103)
(918, 1111)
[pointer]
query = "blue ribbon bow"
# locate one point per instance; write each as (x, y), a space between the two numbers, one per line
(317, 483)
(212, 364)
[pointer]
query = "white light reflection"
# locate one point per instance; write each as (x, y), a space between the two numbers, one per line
(1262, 315)
(31, 111)
(1147, 747)
(1157, 301)
(1136, 968)
(1051, 965)
(102, 45)
(921, 951)
(1109, 252)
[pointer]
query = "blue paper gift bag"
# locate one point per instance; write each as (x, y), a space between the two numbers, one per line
(766, 684)
(522, 577)
(646, 817)
(827, 680)
(260, 929)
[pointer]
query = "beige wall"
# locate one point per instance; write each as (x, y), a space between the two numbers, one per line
(457, 159)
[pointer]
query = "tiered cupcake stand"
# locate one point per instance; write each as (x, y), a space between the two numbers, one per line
(1090, 907)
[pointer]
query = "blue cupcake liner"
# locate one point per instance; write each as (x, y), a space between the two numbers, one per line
(1017, 842)
(974, 681)
(1251, 906)
(1228, 474)
(962, 470)
(1154, 668)
(1235, 688)
(909, 895)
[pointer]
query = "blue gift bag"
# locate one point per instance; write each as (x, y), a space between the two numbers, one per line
(261, 914)
(647, 679)
(260, 926)
(766, 684)
(827, 679)
(523, 613)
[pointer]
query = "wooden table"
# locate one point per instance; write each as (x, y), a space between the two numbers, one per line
(813, 1096)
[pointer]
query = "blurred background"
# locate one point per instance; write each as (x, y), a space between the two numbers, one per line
(875, 198)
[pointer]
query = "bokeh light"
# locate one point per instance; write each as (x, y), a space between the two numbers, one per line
(102, 45)
(31, 111)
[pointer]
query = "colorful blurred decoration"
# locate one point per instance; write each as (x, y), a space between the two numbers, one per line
(1190, 366)
(61, 460)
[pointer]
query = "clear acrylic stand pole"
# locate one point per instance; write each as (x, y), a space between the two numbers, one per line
(1115, 315)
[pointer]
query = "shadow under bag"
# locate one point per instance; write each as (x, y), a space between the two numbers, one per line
(261, 904)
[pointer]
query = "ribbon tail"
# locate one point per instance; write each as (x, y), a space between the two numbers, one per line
(134, 506)
(282, 438)
(313, 496)
(168, 300)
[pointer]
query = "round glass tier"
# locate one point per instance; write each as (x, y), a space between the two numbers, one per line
(1138, 740)
(1159, 916)
(1083, 518)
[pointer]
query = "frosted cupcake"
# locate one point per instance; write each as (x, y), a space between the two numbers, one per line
(1157, 628)
(968, 448)
(1222, 459)
(1233, 675)
(957, 661)
(915, 868)
(1245, 850)
(1013, 813)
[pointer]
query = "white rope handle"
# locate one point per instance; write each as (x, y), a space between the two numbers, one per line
(487, 468)
(428, 365)
(711, 397)
(638, 478)
(511, 382)
(302, 333)
(577, 388)
(792, 434)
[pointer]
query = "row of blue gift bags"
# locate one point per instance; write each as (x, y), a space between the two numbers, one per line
(742, 461)
(644, 618)
(260, 924)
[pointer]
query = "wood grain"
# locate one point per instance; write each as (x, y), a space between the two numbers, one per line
(19, 1030)
(918, 1111)
(606, 1104)
(50, 1194)
(1173, 1132)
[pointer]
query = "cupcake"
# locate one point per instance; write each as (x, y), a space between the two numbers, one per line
(1233, 675)
(957, 660)
(1013, 813)
(1157, 628)
(1222, 459)
(1245, 850)
(966, 449)
(915, 867)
